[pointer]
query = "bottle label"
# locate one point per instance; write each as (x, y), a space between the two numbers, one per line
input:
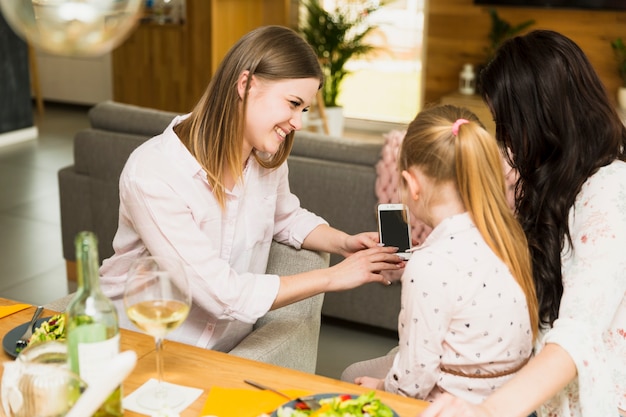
(94, 357)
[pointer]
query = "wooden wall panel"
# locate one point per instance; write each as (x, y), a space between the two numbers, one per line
(169, 66)
(234, 18)
(200, 43)
(457, 33)
(148, 68)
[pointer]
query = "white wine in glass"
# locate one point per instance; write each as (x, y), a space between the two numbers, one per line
(158, 317)
(157, 299)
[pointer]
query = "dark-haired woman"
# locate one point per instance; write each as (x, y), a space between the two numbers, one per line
(568, 145)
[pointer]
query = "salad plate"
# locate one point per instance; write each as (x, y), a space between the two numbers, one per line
(9, 340)
(12, 336)
(334, 404)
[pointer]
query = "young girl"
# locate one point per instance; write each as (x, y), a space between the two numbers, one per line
(213, 191)
(469, 311)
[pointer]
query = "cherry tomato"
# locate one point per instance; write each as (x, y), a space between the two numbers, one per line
(301, 406)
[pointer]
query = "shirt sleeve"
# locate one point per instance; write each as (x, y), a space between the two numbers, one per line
(594, 285)
(424, 320)
(156, 205)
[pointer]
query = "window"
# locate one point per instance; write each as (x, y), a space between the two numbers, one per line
(385, 86)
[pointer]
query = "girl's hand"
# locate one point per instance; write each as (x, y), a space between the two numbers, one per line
(369, 382)
(448, 406)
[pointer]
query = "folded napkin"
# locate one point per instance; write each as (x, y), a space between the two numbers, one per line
(187, 395)
(243, 402)
(8, 310)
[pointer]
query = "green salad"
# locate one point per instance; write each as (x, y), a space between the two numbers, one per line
(53, 329)
(366, 405)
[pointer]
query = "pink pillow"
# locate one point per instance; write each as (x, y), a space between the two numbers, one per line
(387, 182)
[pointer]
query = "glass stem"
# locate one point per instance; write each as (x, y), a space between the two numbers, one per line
(160, 390)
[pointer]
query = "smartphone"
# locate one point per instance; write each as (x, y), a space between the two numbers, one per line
(393, 228)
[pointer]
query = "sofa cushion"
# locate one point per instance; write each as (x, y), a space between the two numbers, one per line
(101, 154)
(126, 118)
(329, 148)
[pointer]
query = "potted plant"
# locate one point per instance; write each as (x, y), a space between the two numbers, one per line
(619, 50)
(336, 37)
(501, 30)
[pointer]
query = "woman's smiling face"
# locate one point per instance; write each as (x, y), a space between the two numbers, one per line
(274, 110)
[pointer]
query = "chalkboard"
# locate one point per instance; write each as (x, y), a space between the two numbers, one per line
(16, 108)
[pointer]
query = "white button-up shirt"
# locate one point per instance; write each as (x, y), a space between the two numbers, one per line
(167, 208)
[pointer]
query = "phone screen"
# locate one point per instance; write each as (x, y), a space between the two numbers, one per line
(394, 230)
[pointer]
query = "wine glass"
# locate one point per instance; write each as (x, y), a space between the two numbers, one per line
(157, 299)
(40, 383)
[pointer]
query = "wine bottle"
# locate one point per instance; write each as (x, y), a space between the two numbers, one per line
(93, 334)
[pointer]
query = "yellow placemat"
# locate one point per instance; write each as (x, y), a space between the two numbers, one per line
(243, 402)
(8, 310)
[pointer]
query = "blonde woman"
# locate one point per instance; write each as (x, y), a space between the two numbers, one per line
(469, 311)
(213, 191)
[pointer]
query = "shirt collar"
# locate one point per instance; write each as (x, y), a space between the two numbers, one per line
(188, 163)
(448, 227)
(173, 145)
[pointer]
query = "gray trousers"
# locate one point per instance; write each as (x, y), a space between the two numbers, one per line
(375, 368)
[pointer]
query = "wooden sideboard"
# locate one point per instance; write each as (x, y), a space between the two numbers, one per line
(168, 66)
(475, 104)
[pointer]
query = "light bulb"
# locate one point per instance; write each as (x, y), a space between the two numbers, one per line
(72, 27)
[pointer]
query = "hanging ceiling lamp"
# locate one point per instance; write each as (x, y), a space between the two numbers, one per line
(72, 27)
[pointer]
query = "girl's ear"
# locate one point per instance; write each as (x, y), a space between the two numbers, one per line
(413, 183)
(242, 81)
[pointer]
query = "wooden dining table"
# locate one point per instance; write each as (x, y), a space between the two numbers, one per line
(202, 368)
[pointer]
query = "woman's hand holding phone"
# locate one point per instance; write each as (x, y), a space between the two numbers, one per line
(364, 266)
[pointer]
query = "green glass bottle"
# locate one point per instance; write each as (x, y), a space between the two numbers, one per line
(93, 334)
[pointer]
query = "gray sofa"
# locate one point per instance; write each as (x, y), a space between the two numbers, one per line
(333, 177)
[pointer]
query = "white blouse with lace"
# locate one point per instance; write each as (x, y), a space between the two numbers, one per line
(592, 319)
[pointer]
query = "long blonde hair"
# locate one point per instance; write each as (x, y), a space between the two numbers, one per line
(472, 160)
(213, 133)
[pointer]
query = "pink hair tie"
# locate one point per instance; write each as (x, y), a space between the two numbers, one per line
(457, 124)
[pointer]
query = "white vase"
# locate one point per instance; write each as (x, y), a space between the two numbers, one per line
(621, 98)
(334, 117)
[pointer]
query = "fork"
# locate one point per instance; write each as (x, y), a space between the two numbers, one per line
(309, 400)
(22, 342)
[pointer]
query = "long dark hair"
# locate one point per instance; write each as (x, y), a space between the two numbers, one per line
(554, 117)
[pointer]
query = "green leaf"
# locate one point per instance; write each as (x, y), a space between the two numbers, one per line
(336, 37)
(619, 50)
(501, 30)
